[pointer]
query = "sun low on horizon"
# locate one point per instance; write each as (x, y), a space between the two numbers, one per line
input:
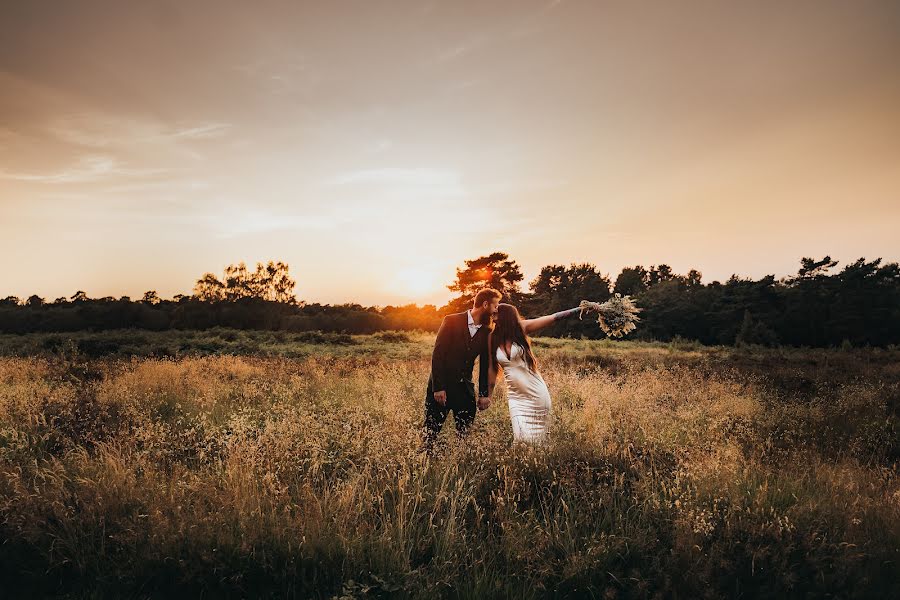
(374, 147)
(417, 282)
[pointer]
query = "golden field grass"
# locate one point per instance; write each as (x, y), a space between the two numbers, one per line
(673, 471)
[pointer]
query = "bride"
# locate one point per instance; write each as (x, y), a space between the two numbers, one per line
(510, 350)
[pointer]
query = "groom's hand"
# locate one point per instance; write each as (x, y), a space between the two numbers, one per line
(484, 402)
(441, 397)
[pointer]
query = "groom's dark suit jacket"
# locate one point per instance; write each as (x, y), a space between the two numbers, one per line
(454, 355)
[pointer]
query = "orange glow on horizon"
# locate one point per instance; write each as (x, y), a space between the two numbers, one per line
(376, 150)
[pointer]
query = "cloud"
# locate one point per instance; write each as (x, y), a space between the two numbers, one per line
(382, 145)
(162, 185)
(87, 169)
(284, 74)
(98, 144)
(424, 176)
(524, 184)
(235, 221)
(454, 52)
(520, 24)
(202, 132)
(99, 131)
(398, 186)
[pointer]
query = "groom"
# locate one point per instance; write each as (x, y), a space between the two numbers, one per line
(461, 338)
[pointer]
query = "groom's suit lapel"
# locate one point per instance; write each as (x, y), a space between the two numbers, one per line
(472, 339)
(468, 338)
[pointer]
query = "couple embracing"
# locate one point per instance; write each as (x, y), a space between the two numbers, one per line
(497, 335)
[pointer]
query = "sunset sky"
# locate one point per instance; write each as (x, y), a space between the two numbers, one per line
(373, 146)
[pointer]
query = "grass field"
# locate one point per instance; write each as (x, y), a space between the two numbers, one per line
(245, 464)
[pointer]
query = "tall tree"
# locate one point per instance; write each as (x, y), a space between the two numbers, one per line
(209, 289)
(274, 283)
(632, 281)
(562, 287)
(810, 268)
(558, 288)
(693, 278)
(495, 270)
(270, 282)
(238, 283)
(660, 274)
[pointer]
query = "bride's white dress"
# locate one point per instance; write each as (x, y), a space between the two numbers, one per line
(529, 398)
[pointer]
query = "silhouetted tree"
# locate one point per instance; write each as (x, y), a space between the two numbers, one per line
(631, 281)
(495, 271)
(693, 278)
(270, 282)
(855, 307)
(558, 288)
(209, 289)
(754, 332)
(815, 268)
(659, 274)
(678, 306)
(238, 283)
(273, 282)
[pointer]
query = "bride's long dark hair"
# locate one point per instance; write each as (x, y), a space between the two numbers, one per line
(508, 328)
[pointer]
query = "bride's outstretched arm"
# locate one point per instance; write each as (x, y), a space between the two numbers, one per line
(532, 325)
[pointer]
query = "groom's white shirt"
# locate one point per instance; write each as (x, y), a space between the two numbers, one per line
(473, 326)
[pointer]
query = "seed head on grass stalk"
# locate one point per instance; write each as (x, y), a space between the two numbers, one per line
(617, 316)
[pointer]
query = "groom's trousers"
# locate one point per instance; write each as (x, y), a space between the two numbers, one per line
(460, 399)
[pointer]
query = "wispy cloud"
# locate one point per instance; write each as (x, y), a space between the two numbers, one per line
(234, 222)
(382, 145)
(99, 131)
(160, 185)
(522, 24)
(525, 184)
(284, 74)
(202, 132)
(455, 51)
(87, 169)
(424, 176)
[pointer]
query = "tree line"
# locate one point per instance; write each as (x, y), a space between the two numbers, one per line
(820, 306)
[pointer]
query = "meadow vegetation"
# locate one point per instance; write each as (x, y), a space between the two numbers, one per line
(238, 463)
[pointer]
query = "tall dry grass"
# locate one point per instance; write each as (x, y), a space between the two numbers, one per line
(229, 476)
